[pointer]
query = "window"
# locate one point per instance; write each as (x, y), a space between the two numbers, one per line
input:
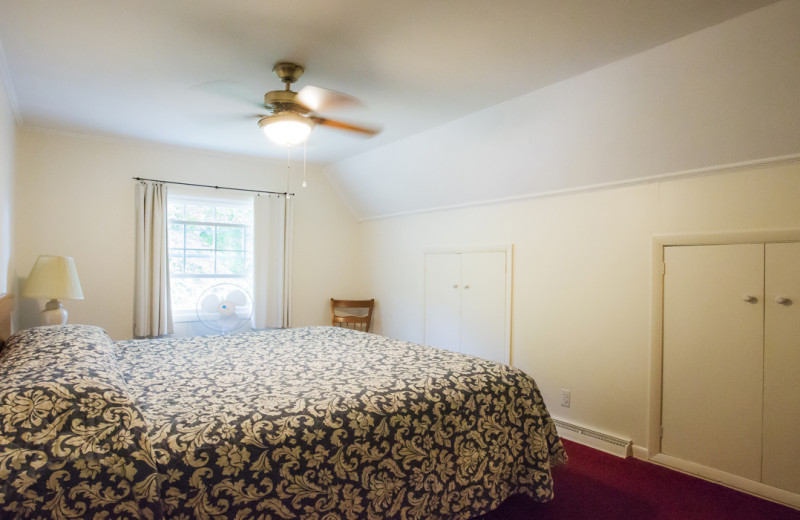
(210, 242)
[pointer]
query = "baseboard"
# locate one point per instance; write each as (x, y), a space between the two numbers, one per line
(726, 479)
(594, 439)
(641, 453)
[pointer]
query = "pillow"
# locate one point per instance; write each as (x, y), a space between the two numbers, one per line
(64, 353)
(71, 436)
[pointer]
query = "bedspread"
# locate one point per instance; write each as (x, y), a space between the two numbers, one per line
(73, 444)
(319, 422)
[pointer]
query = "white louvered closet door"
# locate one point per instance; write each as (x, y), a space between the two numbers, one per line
(781, 467)
(713, 356)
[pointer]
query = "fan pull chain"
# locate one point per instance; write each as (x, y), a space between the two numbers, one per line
(288, 167)
(305, 147)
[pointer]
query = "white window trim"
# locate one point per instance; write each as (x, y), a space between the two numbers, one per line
(190, 315)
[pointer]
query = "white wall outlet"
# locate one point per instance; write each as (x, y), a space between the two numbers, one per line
(565, 397)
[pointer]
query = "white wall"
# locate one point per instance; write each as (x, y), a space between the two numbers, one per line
(8, 132)
(582, 261)
(581, 300)
(723, 95)
(582, 277)
(75, 197)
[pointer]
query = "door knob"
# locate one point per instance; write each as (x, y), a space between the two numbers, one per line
(455, 286)
(466, 287)
(782, 301)
(749, 299)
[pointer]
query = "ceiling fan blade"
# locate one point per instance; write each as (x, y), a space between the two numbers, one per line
(324, 100)
(367, 131)
(231, 90)
(223, 119)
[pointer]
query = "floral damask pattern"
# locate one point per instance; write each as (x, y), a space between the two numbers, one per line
(318, 423)
(73, 444)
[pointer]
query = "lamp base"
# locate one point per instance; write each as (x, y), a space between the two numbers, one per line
(54, 313)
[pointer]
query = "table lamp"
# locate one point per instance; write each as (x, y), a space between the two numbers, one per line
(53, 277)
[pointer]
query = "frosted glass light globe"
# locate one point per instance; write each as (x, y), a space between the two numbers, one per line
(287, 129)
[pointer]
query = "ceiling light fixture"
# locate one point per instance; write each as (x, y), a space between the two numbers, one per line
(286, 129)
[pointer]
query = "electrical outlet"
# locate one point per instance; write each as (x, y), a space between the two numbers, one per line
(565, 397)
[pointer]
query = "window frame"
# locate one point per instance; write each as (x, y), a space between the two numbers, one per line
(185, 314)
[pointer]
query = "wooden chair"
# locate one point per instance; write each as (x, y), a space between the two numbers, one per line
(355, 321)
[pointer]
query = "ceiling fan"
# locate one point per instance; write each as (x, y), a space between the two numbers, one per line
(291, 116)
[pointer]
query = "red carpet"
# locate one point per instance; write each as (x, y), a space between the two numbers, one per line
(595, 485)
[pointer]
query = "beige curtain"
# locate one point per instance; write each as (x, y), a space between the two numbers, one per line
(152, 307)
(272, 250)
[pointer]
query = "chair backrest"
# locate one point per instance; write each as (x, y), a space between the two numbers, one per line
(354, 316)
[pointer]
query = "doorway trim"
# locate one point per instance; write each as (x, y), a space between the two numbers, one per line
(659, 242)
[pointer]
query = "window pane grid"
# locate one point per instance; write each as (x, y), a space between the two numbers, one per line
(208, 244)
(204, 223)
(214, 275)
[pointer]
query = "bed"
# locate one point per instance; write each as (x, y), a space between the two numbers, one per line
(319, 422)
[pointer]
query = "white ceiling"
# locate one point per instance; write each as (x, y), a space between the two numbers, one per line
(157, 70)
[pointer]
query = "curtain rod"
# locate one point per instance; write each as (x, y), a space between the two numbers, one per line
(216, 187)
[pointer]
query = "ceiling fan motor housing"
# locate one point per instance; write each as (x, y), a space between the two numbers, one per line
(288, 119)
(278, 101)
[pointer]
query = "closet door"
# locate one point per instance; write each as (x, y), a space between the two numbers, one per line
(483, 305)
(712, 356)
(443, 300)
(781, 467)
(465, 303)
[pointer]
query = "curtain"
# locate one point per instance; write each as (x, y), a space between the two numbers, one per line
(152, 307)
(272, 250)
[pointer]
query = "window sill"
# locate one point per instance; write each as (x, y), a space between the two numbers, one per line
(184, 316)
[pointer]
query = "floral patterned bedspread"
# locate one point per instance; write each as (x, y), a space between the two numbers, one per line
(320, 423)
(73, 444)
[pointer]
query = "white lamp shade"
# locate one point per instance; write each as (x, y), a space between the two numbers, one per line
(53, 277)
(286, 129)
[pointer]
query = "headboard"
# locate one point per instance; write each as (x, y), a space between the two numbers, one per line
(6, 305)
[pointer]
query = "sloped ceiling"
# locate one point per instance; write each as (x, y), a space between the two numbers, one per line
(720, 99)
(192, 72)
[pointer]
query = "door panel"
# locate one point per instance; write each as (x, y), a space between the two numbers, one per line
(442, 300)
(713, 356)
(781, 467)
(483, 305)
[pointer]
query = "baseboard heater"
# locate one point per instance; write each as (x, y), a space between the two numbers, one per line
(593, 439)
